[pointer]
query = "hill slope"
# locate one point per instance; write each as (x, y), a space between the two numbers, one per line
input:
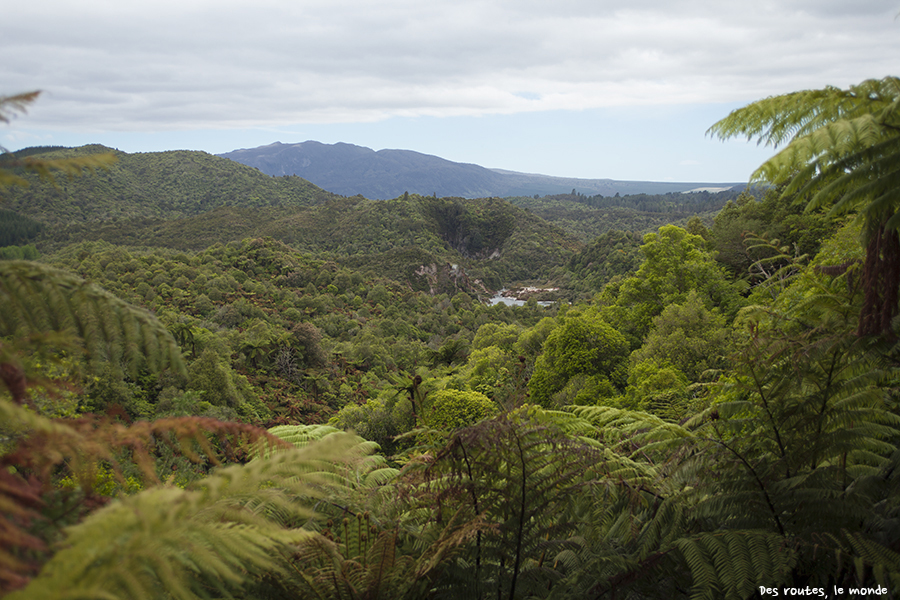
(153, 185)
(192, 200)
(347, 169)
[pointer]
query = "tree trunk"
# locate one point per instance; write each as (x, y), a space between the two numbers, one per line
(881, 280)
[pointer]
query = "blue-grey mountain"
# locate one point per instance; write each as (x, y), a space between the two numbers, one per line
(349, 170)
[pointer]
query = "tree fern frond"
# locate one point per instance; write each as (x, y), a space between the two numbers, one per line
(45, 168)
(187, 541)
(72, 166)
(379, 477)
(884, 562)
(732, 564)
(843, 152)
(302, 435)
(624, 427)
(778, 119)
(17, 103)
(865, 180)
(359, 482)
(36, 299)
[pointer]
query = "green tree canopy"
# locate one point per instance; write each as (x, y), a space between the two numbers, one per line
(689, 336)
(675, 263)
(584, 344)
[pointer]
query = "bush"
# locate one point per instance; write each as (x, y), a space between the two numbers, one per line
(451, 409)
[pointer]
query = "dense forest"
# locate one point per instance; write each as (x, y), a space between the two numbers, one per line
(218, 383)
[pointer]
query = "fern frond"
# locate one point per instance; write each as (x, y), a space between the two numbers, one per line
(41, 450)
(884, 562)
(45, 168)
(626, 426)
(301, 436)
(361, 481)
(843, 148)
(36, 299)
(215, 535)
(17, 103)
(778, 119)
(76, 165)
(733, 564)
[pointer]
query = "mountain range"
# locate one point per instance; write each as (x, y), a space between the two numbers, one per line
(348, 170)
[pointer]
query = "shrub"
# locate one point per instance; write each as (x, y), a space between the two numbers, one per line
(451, 409)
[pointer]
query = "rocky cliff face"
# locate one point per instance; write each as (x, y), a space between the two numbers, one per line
(449, 279)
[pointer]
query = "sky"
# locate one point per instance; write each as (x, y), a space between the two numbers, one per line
(571, 88)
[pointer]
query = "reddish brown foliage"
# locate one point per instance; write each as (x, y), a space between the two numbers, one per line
(14, 378)
(77, 449)
(21, 500)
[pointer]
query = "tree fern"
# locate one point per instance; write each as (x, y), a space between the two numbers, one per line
(363, 563)
(209, 539)
(757, 489)
(356, 553)
(842, 152)
(517, 474)
(800, 425)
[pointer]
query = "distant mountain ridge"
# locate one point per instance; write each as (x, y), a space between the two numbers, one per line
(348, 170)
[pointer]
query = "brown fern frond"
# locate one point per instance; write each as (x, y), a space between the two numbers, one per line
(836, 270)
(13, 377)
(20, 501)
(82, 443)
(17, 103)
(44, 450)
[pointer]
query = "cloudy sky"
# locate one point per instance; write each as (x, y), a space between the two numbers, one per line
(576, 88)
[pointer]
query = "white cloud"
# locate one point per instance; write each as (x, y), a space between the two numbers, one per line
(118, 66)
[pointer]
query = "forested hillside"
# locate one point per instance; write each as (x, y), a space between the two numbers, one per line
(160, 185)
(191, 200)
(321, 403)
(590, 216)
